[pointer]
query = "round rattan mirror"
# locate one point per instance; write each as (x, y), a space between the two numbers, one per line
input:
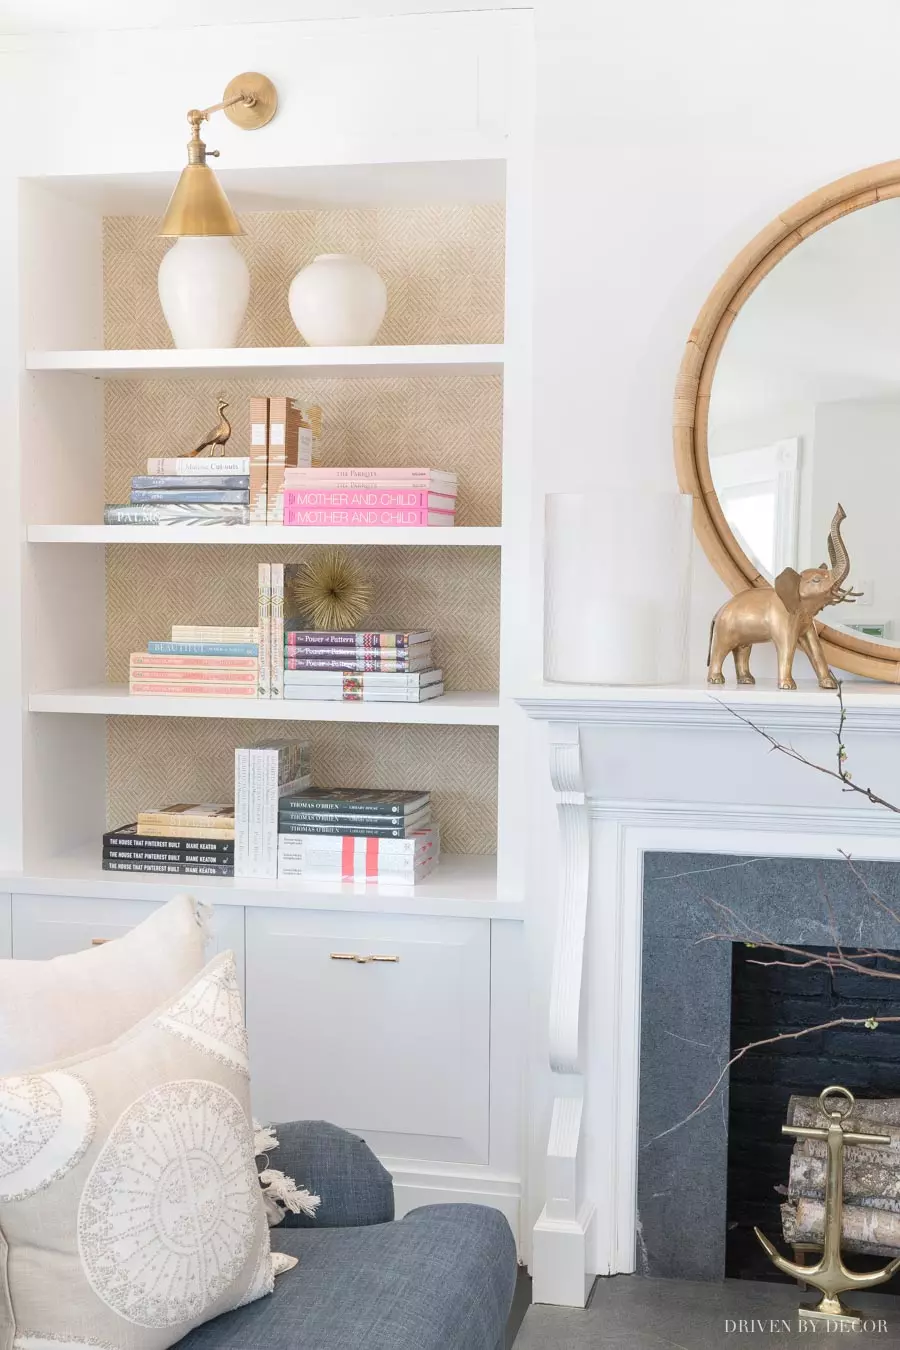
(788, 402)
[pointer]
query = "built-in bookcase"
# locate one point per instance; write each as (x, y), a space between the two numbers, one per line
(446, 385)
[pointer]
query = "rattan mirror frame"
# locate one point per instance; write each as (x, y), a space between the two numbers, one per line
(698, 367)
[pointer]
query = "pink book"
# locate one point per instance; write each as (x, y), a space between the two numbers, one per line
(194, 690)
(397, 517)
(445, 490)
(141, 674)
(343, 474)
(198, 663)
(297, 499)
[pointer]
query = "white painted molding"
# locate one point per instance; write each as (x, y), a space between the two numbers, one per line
(871, 708)
(561, 1248)
(564, 1188)
(568, 955)
(783, 819)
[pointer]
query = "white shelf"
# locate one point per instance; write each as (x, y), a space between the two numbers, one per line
(458, 536)
(460, 887)
(114, 700)
(448, 359)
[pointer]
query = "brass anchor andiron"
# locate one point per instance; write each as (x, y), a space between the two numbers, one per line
(829, 1274)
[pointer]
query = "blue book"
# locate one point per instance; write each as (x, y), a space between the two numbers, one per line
(179, 483)
(203, 648)
(190, 495)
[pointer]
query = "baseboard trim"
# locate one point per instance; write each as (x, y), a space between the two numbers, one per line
(416, 1185)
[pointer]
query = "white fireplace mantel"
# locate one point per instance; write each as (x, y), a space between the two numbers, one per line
(724, 795)
(870, 707)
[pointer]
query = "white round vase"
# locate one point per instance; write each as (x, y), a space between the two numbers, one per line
(204, 286)
(338, 301)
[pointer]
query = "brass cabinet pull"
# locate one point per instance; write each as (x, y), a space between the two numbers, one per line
(361, 960)
(98, 942)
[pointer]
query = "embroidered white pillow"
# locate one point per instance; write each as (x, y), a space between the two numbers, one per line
(52, 1009)
(130, 1207)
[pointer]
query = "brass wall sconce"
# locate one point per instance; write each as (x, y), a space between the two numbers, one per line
(204, 281)
(198, 206)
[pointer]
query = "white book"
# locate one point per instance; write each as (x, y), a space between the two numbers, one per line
(372, 680)
(264, 609)
(276, 633)
(329, 694)
(185, 467)
(262, 772)
(336, 872)
(241, 812)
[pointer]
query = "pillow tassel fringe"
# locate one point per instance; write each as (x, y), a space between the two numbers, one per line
(282, 1194)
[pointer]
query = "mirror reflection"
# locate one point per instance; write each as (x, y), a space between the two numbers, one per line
(805, 413)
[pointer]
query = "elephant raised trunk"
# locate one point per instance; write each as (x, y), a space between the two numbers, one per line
(837, 550)
(784, 614)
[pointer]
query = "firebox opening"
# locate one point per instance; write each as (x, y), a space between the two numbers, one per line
(773, 1000)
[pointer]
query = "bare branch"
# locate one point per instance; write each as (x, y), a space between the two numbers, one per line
(843, 777)
(756, 1045)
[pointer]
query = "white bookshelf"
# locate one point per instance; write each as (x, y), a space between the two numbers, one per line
(266, 536)
(114, 700)
(462, 886)
(338, 362)
(64, 695)
(452, 1125)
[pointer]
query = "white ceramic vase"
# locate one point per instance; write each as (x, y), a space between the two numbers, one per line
(204, 286)
(338, 301)
(617, 569)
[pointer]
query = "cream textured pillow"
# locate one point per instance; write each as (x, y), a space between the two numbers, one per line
(52, 1009)
(130, 1206)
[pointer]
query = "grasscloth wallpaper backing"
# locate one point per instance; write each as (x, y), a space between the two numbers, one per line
(444, 270)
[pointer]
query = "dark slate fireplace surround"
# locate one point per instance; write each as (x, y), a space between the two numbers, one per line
(686, 1032)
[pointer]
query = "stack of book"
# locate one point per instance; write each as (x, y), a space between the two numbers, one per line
(192, 839)
(263, 774)
(360, 667)
(355, 834)
(199, 662)
(395, 497)
(185, 491)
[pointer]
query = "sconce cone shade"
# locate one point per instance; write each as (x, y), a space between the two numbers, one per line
(198, 206)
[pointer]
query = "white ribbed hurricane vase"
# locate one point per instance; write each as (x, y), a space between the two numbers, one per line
(617, 568)
(204, 287)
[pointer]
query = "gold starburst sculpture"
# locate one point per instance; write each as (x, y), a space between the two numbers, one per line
(331, 591)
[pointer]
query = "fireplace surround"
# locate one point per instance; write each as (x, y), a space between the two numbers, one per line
(637, 773)
(686, 1027)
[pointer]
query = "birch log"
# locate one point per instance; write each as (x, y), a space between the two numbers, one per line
(867, 1181)
(872, 1231)
(871, 1179)
(876, 1113)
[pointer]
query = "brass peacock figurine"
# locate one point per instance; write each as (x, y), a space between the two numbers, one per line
(215, 440)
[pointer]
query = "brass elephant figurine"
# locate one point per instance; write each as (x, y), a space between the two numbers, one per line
(784, 615)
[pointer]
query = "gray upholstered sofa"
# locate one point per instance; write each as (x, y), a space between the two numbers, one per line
(442, 1278)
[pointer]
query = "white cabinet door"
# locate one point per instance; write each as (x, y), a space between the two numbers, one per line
(396, 1050)
(5, 925)
(44, 926)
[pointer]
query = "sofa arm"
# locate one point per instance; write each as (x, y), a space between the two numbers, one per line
(355, 1189)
